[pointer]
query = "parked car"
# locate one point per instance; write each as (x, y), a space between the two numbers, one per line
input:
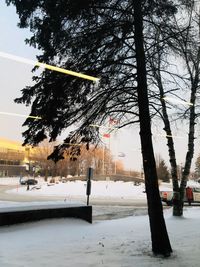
(28, 182)
(167, 196)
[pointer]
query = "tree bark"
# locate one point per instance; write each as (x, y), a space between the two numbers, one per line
(159, 235)
(177, 201)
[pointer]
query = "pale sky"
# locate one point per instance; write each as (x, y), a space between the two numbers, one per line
(15, 75)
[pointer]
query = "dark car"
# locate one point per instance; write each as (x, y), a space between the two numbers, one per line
(28, 182)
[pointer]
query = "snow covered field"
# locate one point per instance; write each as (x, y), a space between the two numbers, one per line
(99, 189)
(115, 243)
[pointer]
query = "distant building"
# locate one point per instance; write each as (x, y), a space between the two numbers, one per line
(13, 158)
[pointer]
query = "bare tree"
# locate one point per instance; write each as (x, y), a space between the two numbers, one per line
(184, 46)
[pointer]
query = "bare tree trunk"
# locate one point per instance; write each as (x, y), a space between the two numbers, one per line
(193, 71)
(177, 201)
(159, 235)
(178, 191)
(190, 152)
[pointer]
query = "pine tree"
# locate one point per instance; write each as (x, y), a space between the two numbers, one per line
(105, 39)
(162, 171)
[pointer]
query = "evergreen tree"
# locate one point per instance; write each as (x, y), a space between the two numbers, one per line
(162, 171)
(106, 39)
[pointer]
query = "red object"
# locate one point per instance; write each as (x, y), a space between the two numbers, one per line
(107, 135)
(164, 195)
(189, 193)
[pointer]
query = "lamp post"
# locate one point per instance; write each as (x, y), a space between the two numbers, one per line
(27, 149)
(88, 188)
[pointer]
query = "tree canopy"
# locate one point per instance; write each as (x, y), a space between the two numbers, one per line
(92, 37)
(175, 70)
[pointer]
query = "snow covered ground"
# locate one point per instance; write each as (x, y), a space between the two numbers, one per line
(114, 243)
(99, 189)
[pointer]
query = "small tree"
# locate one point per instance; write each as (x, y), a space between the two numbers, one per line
(162, 171)
(40, 155)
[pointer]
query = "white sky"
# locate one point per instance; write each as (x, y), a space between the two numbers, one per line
(114, 243)
(14, 76)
